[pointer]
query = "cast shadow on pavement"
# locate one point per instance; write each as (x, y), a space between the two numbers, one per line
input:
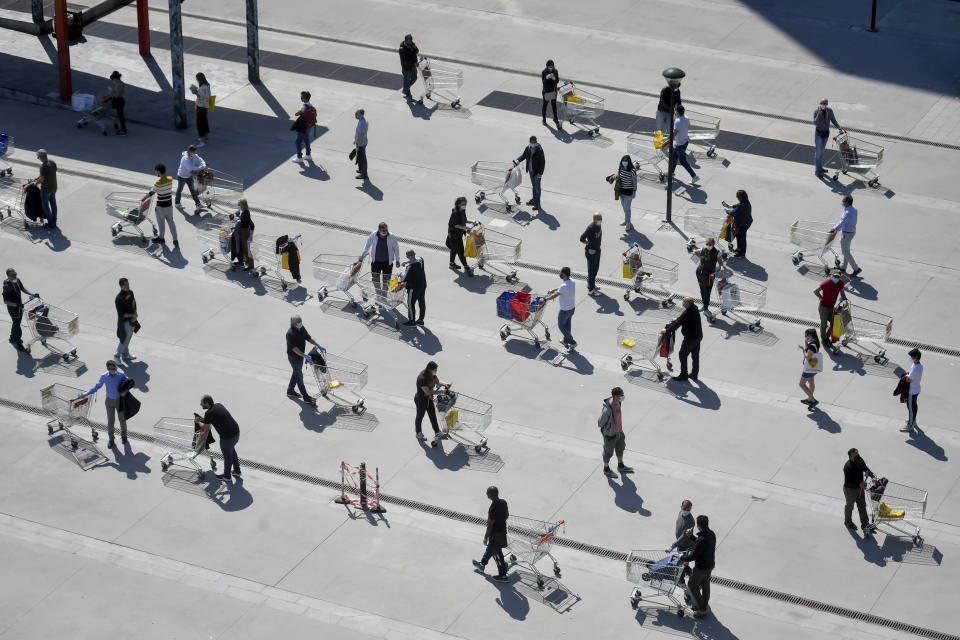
(137, 371)
(335, 417)
(26, 365)
(901, 549)
(53, 239)
(517, 215)
(861, 289)
(823, 421)
(372, 518)
(920, 440)
(665, 620)
(748, 269)
(702, 396)
(510, 599)
(86, 456)
(625, 495)
(636, 236)
(486, 282)
(421, 338)
(128, 462)
(608, 305)
(371, 190)
(421, 111)
(54, 364)
(228, 495)
(553, 594)
(453, 461)
(222, 270)
(314, 171)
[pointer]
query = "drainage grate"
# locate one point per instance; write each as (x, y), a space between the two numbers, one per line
(567, 543)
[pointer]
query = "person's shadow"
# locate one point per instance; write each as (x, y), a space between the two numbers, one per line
(171, 256)
(705, 397)
(314, 171)
(868, 546)
(420, 110)
(923, 442)
(551, 221)
(129, 462)
(511, 600)
(625, 495)
(136, 370)
(420, 337)
(26, 365)
(371, 190)
(823, 421)
(607, 305)
(453, 461)
(749, 269)
(229, 495)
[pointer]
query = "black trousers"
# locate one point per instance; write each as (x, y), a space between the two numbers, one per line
(691, 348)
(495, 551)
(118, 104)
(415, 297)
(380, 272)
(543, 111)
(742, 240)
(425, 407)
(455, 244)
(593, 266)
(16, 331)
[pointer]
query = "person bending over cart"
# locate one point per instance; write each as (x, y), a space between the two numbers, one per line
(428, 385)
(217, 416)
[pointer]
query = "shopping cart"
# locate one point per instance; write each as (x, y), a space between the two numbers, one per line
(738, 293)
(645, 342)
(218, 242)
(182, 441)
(662, 574)
(703, 131)
(440, 80)
(645, 269)
(816, 238)
(99, 112)
(861, 326)
(48, 323)
(337, 275)
(579, 106)
(460, 413)
(529, 541)
(6, 150)
(69, 407)
(647, 152)
(496, 177)
(133, 209)
(269, 258)
(218, 187)
(893, 503)
(12, 196)
(707, 223)
(488, 246)
(857, 156)
(339, 379)
(523, 312)
(381, 301)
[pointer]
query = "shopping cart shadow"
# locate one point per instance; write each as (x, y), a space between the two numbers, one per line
(518, 215)
(665, 619)
(702, 157)
(54, 364)
(52, 239)
(895, 549)
(552, 353)
(86, 456)
(626, 497)
(554, 593)
(129, 462)
(737, 327)
(690, 192)
(422, 111)
(327, 415)
(842, 188)
(695, 393)
(229, 496)
(455, 460)
(488, 282)
(859, 360)
(239, 277)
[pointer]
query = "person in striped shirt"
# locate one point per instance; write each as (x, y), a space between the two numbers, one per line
(163, 209)
(625, 186)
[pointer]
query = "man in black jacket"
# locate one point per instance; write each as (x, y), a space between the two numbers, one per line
(495, 537)
(535, 162)
(591, 239)
(703, 555)
(664, 116)
(853, 489)
(127, 324)
(297, 338)
(689, 324)
(408, 64)
(13, 300)
(217, 416)
(415, 281)
(550, 77)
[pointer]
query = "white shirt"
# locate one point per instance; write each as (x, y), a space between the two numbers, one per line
(680, 128)
(916, 374)
(189, 165)
(362, 127)
(393, 247)
(567, 297)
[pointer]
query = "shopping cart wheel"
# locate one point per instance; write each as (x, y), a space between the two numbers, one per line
(665, 303)
(691, 245)
(113, 231)
(74, 444)
(283, 285)
(213, 464)
(536, 343)
(660, 376)
(874, 183)
(204, 258)
(503, 335)
(917, 540)
(96, 436)
(712, 153)
(680, 613)
(836, 176)
(66, 357)
(49, 430)
(143, 240)
(796, 260)
(546, 333)
(663, 178)
(556, 569)
(516, 198)
(513, 559)
(163, 465)
(73, 353)
(200, 476)
(356, 408)
(878, 359)
(455, 104)
(723, 312)
(669, 365)
(539, 582)
(635, 602)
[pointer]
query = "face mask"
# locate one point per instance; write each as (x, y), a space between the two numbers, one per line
(533, 147)
(299, 325)
(383, 234)
(835, 279)
(709, 247)
(624, 163)
(463, 207)
(549, 68)
(684, 513)
(239, 209)
(822, 106)
(597, 222)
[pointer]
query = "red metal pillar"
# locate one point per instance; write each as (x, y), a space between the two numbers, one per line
(143, 27)
(63, 48)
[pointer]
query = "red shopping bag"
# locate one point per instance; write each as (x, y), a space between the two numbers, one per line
(521, 306)
(666, 345)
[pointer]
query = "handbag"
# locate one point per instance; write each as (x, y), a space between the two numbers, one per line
(813, 364)
(353, 153)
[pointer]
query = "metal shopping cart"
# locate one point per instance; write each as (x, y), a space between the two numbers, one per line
(339, 379)
(182, 441)
(647, 152)
(816, 238)
(859, 157)
(662, 574)
(496, 177)
(219, 241)
(382, 301)
(707, 223)
(893, 503)
(487, 246)
(523, 314)
(529, 541)
(440, 80)
(269, 257)
(6, 150)
(738, 293)
(460, 413)
(337, 275)
(12, 193)
(703, 131)
(133, 209)
(645, 342)
(862, 326)
(215, 186)
(69, 407)
(579, 106)
(648, 270)
(98, 111)
(48, 323)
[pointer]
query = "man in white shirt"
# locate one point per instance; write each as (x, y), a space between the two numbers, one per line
(914, 377)
(360, 142)
(848, 229)
(567, 293)
(190, 164)
(681, 138)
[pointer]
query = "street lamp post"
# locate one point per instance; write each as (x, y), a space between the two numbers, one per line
(673, 76)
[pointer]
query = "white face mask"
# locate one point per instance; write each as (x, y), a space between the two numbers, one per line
(624, 164)
(709, 247)
(684, 512)
(383, 234)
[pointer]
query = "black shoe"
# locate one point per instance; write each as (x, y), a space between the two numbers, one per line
(469, 272)
(176, 243)
(544, 122)
(455, 266)
(850, 525)
(123, 439)
(161, 240)
(622, 468)
(680, 378)
(503, 578)
(695, 378)
(420, 322)
(293, 394)
(155, 240)
(559, 126)
(310, 401)
(855, 272)
(530, 202)
(236, 474)
(409, 323)
(113, 445)
(476, 563)
(223, 476)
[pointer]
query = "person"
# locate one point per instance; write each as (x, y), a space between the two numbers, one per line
(683, 529)
(245, 227)
(847, 226)
(591, 239)
(306, 117)
(611, 428)
(710, 262)
(663, 108)
(681, 138)
(202, 91)
(297, 339)
(740, 217)
(534, 164)
(495, 537)
(456, 229)
(12, 298)
(414, 279)
(360, 139)
(117, 101)
(703, 554)
(812, 364)
(110, 380)
(853, 489)
(567, 292)
(47, 181)
(428, 384)
(384, 252)
(190, 164)
(127, 324)
(163, 209)
(624, 180)
(409, 56)
(822, 117)
(217, 416)
(913, 379)
(689, 324)
(550, 77)
(828, 292)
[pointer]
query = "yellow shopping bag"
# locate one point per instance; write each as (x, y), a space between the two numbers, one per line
(470, 250)
(837, 331)
(724, 228)
(285, 259)
(394, 283)
(886, 512)
(658, 140)
(213, 102)
(574, 98)
(627, 271)
(451, 418)
(629, 343)
(333, 384)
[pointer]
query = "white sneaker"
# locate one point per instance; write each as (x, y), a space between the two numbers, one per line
(117, 361)
(595, 293)
(308, 157)
(201, 143)
(298, 160)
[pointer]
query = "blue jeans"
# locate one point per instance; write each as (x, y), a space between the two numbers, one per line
(362, 161)
(303, 140)
(819, 144)
(680, 155)
(535, 183)
(409, 78)
(296, 378)
(564, 320)
(228, 447)
(193, 190)
(48, 201)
